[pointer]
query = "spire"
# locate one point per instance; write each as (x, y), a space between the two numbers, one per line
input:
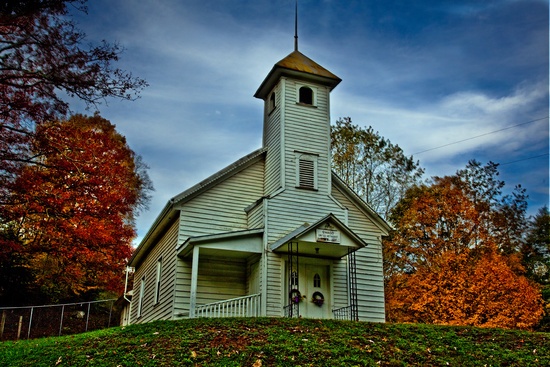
(296, 27)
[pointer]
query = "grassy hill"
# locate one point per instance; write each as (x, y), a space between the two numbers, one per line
(282, 342)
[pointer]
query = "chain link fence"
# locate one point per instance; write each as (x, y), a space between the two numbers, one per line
(31, 322)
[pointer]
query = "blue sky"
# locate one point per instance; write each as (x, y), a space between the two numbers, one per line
(425, 74)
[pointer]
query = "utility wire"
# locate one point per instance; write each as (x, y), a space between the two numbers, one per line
(479, 136)
(525, 159)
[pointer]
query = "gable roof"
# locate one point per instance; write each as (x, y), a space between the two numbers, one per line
(169, 212)
(309, 243)
(298, 66)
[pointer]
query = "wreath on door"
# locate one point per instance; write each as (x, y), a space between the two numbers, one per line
(318, 298)
(295, 296)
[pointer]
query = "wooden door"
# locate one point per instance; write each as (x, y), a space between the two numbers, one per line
(315, 280)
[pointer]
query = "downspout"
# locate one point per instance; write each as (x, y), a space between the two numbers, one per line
(128, 270)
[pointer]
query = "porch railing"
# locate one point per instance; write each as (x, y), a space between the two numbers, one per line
(247, 306)
(292, 310)
(345, 313)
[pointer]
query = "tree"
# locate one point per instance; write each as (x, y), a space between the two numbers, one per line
(536, 258)
(536, 251)
(503, 215)
(375, 168)
(43, 58)
(446, 262)
(71, 213)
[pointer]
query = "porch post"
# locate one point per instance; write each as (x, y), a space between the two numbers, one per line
(194, 278)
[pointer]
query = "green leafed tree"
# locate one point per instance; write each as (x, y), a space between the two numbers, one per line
(374, 167)
(537, 247)
(536, 257)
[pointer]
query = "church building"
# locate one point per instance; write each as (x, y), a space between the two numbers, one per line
(275, 233)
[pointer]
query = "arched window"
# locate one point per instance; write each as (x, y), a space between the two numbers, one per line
(306, 95)
(317, 281)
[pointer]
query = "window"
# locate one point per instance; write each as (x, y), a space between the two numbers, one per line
(141, 296)
(317, 281)
(305, 95)
(306, 171)
(271, 104)
(294, 279)
(157, 283)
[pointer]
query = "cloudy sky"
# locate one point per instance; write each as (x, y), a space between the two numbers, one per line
(447, 80)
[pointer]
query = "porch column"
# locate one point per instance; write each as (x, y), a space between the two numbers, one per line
(194, 278)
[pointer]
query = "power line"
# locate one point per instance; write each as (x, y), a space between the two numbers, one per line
(479, 136)
(525, 159)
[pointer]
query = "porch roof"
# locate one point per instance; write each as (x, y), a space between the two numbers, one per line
(311, 243)
(237, 244)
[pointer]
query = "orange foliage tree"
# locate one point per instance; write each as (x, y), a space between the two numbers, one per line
(71, 214)
(445, 262)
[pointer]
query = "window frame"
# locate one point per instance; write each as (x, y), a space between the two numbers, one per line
(313, 103)
(272, 102)
(141, 296)
(306, 157)
(158, 280)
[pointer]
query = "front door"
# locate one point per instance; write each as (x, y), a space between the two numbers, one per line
(315, 286)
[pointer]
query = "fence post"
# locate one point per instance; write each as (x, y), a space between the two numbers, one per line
(2, 323)
(88, 316)
(110, 313)
(19, 327)
(30, 323)
(61, 321)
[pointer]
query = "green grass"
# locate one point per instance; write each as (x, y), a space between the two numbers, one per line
(283, 342)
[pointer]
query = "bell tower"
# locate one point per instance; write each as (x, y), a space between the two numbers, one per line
(296, 131)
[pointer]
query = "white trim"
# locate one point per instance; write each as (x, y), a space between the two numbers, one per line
(282, 126)
(141, 296)
(194, 282)
(158, 279)
(313, 97)
(300, 159)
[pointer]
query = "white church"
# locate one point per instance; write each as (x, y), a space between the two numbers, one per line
(274, 234)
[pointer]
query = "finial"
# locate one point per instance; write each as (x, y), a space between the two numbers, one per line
(296, 27)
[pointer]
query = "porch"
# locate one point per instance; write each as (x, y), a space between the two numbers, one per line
(224, 273)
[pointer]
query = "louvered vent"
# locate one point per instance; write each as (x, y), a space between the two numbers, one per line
(307, 174)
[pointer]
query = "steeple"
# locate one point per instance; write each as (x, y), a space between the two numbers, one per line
(296, 95)
(296, 27)
(298, 66)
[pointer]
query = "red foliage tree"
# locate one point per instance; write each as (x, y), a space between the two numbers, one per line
(42, 58)
(71, 212)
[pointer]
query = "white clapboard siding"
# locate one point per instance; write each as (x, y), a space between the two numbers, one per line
(340, 284)
(253, 275)
(274, 302)
(307, 129)
(370, 276)
(165, 249)
(272, 140)
(221, 208)
(256, 216)
(183, 288)
(294, 207)
(220, 279)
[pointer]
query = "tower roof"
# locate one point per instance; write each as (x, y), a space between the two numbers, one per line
(298, 66)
